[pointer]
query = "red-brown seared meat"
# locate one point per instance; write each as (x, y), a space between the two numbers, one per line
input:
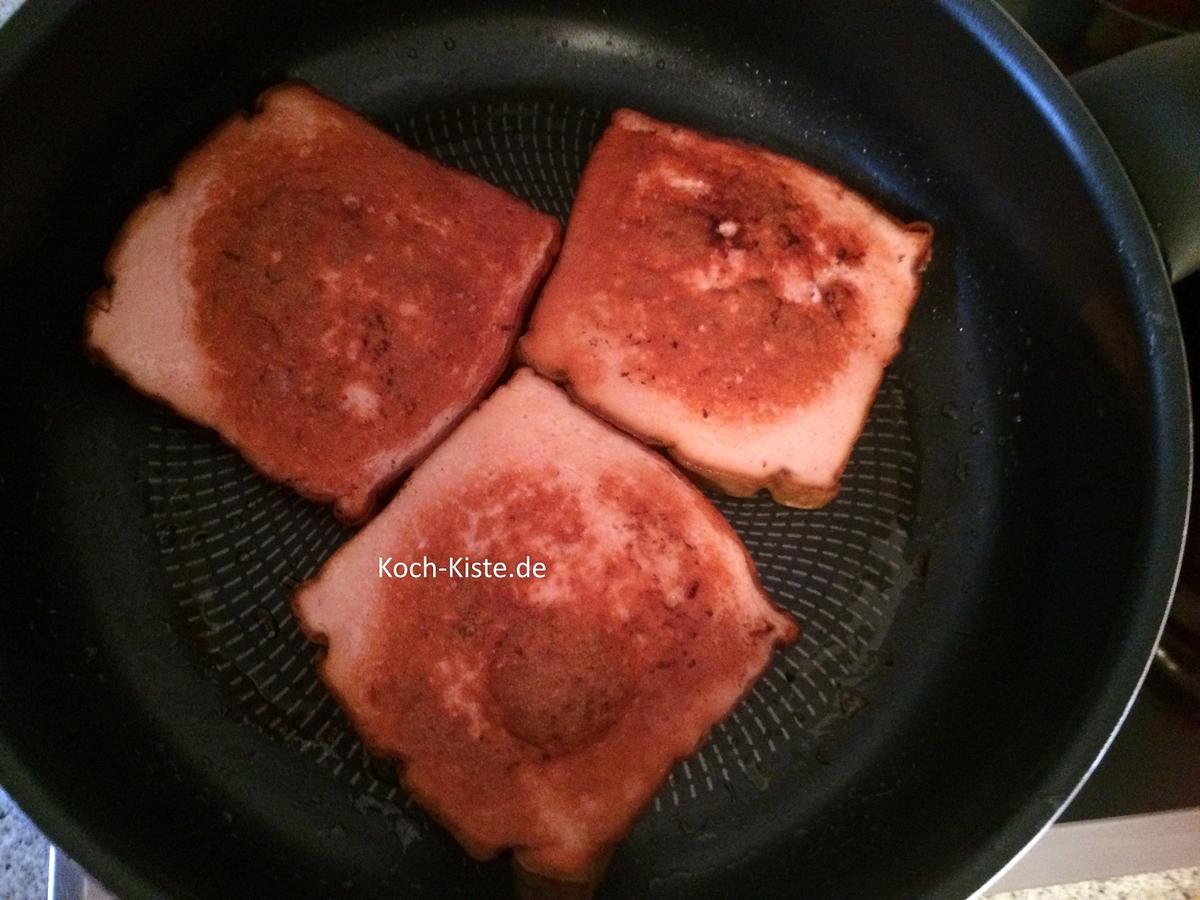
(328, 300)
(734, 305)
(542, 714)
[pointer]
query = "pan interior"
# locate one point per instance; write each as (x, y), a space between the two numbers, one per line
(234, 546)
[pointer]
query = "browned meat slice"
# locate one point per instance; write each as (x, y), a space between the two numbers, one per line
(734, 305)
(328, 300)
(541, 714)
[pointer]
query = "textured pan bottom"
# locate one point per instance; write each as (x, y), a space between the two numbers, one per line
(234, 545)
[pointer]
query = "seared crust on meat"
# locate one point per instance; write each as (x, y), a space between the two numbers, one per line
(542, 714)
(328, 300)
(727, 303)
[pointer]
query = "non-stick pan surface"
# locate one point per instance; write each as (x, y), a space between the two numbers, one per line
(978, 605)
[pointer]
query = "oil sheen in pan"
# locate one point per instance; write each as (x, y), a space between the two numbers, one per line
(235, 545)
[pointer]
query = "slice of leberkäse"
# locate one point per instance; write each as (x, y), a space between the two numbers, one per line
(328, 300)
(541, 713)
(734, 305)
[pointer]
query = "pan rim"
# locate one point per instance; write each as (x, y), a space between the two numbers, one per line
(1145, 275)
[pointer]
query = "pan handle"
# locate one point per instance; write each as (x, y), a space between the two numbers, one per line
(1148, 103)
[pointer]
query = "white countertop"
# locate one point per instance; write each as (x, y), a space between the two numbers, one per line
(1176, 884)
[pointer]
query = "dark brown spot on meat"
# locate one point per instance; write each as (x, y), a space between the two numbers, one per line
(785, 237)
(849, 249)
(838, 295)
(558, 681)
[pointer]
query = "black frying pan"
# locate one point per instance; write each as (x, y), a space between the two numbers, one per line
(979, 605)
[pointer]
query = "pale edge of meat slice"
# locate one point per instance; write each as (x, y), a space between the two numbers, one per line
(526, 419)
(140, 324)
(799, 457)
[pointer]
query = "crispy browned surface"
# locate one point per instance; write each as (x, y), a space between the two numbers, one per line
(728, 303)
(784, 489)
(543, 714)
(333, 301)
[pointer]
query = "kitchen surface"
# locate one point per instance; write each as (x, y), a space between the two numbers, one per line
(1133, 831)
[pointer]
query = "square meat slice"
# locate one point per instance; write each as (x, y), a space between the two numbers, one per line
(541, 713)
(734, 305)
(328, 300)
